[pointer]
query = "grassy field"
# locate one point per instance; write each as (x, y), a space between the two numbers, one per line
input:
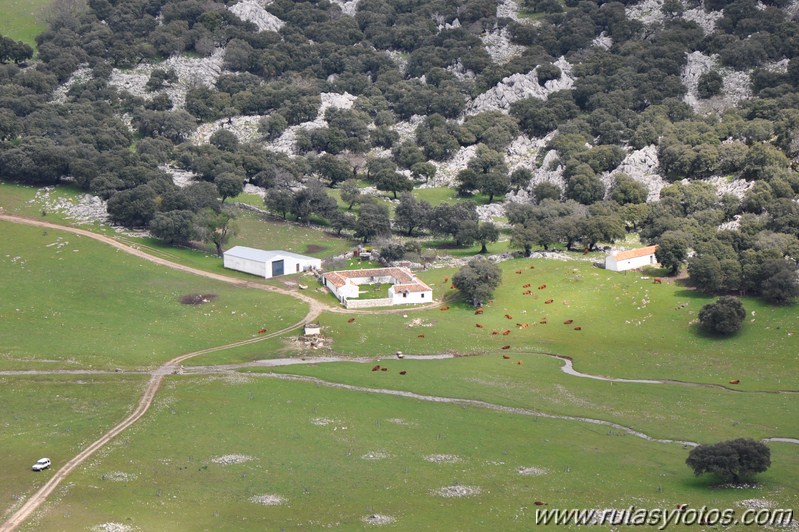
(336, 457)
(662, 411)
(630, 327)
(22, 19)
(56, 417)
(70, 302)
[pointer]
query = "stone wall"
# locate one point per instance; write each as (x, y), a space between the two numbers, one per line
(367, 303)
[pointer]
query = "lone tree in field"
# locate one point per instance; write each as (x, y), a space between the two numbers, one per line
(725, 316)
(732, 460)
(477, 280)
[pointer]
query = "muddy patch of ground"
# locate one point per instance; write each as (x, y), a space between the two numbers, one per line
(197, 299)
(313, 248)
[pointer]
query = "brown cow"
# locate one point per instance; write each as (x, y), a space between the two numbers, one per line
(420, 336)
(444, 308)
(506, 357)
(735, 381)
(509, 316)
(478, 311)
(548, 301)
(543, 322)
(532, 267)
(350, 320)
(540, 503)
(383, 369)
(519, 362)
(376, 368)
(261, 331)
(526, 285)
(478, 325)
(446, 279)
(505, 347)
(519, 272)
(542, 287)
(506, 332)
(494, 333)
(568, 322)
(657, 280)
(452, 287)
(403, 372)
(578, 328)
(523, 326)
(527, 293)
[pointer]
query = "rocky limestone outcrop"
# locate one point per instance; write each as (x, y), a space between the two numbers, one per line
(737, 85)
(285, 143)
(649, 12)
(643, 165)
(498, 45)
(447, 171)
(81, 75)
(349, 7)
(244, 127)
(519, 87)
(706, 20)
(190, 73)
(603, 41)
(181, 178)
(510, 9)
(253, 11)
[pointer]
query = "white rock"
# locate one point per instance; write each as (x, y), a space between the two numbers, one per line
(181, 178)
(253, 11)
(647, 12)
(81, 75)
(736, 87)
(348, 7)
(497, 44)
(642, 165)
(705, 20)
(510, 9)
(190, 72)
(604, 41)
(519, 87)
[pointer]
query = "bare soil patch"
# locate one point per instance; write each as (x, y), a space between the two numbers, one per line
(457, 491)
(231, 459)
(443, 458)
(376, 455)
(377, 519)
(112, 527)
(315, 248)
(119, 476)
(197, 299)
(532, 471)
(268, 500)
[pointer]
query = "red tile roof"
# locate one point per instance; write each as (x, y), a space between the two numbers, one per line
(402, 277)
(635, 253)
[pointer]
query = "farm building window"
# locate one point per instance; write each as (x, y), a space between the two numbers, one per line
(405, 293)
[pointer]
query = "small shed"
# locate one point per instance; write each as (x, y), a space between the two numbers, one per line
(312, 329)
(268, 264)
(620, 261)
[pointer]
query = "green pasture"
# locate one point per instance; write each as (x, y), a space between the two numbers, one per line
(306, 240)
(22, 19)
(630, 327)
(337, 456)
(72, 302)
(55, 416)
(536, 382)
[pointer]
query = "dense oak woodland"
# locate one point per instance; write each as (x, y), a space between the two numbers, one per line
(598, 81)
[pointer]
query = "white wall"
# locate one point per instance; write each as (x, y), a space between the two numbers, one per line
(629, 264)
(413, 297)
(247, 266)
(290, 265)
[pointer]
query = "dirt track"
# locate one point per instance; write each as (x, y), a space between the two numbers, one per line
(316, 308)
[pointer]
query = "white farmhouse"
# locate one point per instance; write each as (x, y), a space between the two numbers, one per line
(405, 287)
(268, 263)
(620, 261)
